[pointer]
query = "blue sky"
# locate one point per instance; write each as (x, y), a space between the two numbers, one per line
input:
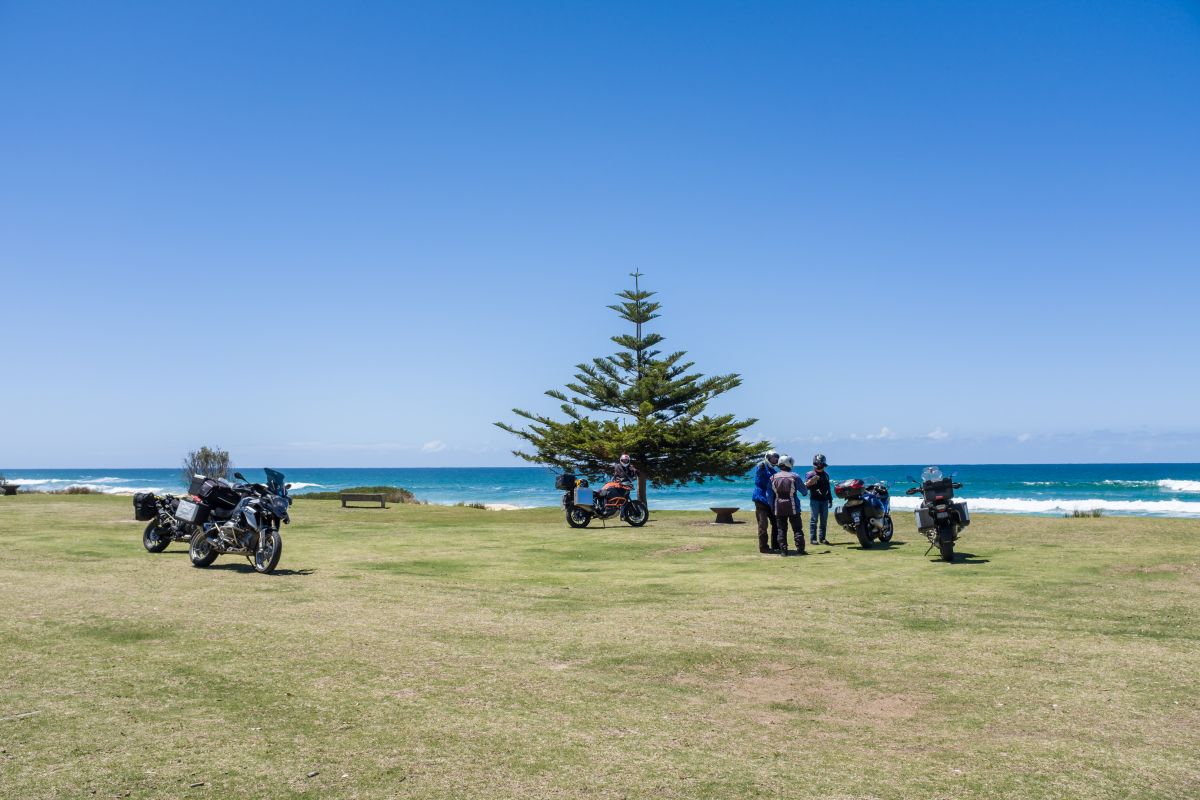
(357, 234)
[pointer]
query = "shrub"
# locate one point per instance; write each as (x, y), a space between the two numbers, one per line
(75, 490)
(212, 462)
(394, 494)
(480, 506)
(1078, 514)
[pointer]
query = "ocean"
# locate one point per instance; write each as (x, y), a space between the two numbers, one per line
(1164, 490)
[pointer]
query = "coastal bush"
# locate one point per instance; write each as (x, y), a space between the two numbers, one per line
(211, 461)
(1078, 514)
(75, 490)
(479, 506)
(394, 494)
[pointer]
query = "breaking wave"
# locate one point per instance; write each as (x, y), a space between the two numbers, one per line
(1013, 505)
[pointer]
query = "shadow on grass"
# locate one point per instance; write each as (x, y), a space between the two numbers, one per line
(250, 568)
(964, 558)
(876, 546)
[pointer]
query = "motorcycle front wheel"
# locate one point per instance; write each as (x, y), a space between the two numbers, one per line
(201, 550)
(154, 539)
(885, 535)
(577, 517)
(636, 513)
(266, 558)
(946, 543)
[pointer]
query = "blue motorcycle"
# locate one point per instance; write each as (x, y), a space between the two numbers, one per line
(867, 512)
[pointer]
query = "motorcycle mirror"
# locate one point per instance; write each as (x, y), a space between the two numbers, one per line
(287, 486)
(239, 476)
(911, 478)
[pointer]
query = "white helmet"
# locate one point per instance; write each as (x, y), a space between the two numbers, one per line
(624, 458)
(772, 454)
(786, 462)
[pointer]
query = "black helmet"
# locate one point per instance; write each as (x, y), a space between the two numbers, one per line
(819, 460)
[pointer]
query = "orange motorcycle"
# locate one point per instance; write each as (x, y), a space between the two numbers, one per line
(582, 504)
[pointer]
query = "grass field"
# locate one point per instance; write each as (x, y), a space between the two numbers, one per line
(435, 652)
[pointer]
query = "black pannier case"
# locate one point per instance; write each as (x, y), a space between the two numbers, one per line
(196, 485)
(144, 507)
(219, 495)
(841, 515)
(564, 482)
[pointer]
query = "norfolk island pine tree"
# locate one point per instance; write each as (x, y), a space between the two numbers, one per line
(646, 404)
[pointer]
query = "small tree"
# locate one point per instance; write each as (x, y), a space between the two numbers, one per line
(211, 461)
(654, 412)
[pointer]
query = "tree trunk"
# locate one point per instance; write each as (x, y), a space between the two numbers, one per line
(642, 489)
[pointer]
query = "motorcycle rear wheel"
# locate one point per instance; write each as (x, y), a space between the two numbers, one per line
(864, 538)
(636, 513)
(946, 543)
(153, 538)
(267, 558)
(577, 518)
(200, 550)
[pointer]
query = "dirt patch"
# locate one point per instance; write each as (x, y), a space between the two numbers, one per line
(1178, 569)
(692, 547)
(780, 691)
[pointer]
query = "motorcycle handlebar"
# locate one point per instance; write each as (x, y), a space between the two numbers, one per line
(957, 485)
(912, 491)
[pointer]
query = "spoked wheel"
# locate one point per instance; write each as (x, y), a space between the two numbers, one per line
(946, 544)
(885, 535)
(267, 557)
(636, 513)
(577, 517)
(154, 539)
(864, 538)
(201, 550)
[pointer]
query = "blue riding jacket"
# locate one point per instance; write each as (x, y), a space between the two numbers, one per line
(763, 493)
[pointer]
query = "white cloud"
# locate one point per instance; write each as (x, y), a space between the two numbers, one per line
(1024, 437)
(937, 434)
(435, 446)
(884, 433)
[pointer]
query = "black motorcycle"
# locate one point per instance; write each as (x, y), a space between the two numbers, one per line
(163, 526)
(939, 519)
(238, 520)
(582, 504)
(867, 512)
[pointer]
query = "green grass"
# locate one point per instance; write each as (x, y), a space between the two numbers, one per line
(431, 652)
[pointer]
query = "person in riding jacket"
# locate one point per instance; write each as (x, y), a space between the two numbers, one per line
(764, 501)
(788, 490)
(820, 498)
(624, 471)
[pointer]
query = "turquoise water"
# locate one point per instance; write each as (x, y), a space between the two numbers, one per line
(1141, 489)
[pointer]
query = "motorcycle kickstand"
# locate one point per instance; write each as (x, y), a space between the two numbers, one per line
(927, 549)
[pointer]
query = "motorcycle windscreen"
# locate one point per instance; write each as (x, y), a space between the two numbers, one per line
(275, 481)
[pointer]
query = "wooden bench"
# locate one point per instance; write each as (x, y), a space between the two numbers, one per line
(724, 514)
(351, 497)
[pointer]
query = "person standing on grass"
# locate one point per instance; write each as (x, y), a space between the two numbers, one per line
(820, 498)
(764, 501)
(788, 490)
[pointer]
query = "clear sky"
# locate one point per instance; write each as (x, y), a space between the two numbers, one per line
(334, 234)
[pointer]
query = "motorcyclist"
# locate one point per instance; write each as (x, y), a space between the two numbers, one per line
(788, 490)
(624, 471)
(820, 498)
(764, 501)
(624, 476)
